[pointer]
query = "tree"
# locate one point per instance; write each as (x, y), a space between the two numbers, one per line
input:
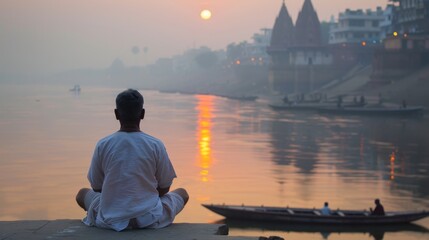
(206, 60)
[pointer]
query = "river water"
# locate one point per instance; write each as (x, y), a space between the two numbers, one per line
(223, 150)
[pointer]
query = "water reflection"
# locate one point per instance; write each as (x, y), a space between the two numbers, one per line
(353, 150)
(205, 115)
(294, 143)
(392, 165)
(326, 231)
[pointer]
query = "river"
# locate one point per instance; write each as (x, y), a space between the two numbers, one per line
(223, 150)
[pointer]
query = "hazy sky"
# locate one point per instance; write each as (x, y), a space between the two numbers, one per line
(46, 36)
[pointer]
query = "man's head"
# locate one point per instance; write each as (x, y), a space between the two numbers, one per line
(129, 106)
(377, 201)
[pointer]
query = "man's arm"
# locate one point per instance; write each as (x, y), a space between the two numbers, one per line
(161, 191)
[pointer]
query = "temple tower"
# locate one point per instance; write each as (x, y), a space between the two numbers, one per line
(282, 38)
(307, 30)
(300, 63)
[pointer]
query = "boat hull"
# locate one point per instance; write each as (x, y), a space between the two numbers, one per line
(410, 111)
(309, 216)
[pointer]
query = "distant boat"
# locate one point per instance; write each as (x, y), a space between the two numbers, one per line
(313, 216)
(76, 88)
(241, 98)
(374, 111)
(308, 106)
(299, 106)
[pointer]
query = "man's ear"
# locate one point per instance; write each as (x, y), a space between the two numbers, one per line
(116, 114)
(142, 113)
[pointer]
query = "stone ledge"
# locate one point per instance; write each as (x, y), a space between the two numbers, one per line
(75, 229)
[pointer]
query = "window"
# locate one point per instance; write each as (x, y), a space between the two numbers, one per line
(356, 23)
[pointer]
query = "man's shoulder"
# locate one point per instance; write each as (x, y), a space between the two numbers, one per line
(117, 136)
(150, 138)
(107, 138)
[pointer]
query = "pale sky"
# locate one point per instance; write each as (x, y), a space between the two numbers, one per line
(48, 36)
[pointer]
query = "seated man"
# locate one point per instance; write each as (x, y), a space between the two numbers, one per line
(326, 210)
(379, 209)
(130, 176)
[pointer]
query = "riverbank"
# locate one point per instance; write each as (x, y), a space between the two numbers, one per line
(412, 89)
(75, 229)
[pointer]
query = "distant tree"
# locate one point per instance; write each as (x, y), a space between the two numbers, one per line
(135, 50)
(206, 59)
(236, 51)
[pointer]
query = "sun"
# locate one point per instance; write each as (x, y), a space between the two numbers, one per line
(206, 14)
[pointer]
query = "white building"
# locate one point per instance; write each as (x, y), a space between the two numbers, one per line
(387, 24)
(255, 52)
(357, 26)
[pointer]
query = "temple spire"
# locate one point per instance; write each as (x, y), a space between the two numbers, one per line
(307, 29)
(283, 30)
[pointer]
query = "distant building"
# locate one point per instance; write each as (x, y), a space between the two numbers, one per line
(386, 25)
(406, 46)
(356, 35)
(255, 51)
(411, 16)
(357, 26)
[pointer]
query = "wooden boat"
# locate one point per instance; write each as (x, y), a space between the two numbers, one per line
(308, 106)
(313, 216)
(239, 97)
(374, 111)
(300, 106)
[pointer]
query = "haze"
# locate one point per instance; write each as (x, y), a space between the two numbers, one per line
(49, 36)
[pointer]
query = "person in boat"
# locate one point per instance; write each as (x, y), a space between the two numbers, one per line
(404, 103)
(379, 209)
(362, 100)
(130, 175)
(286, 100)
(326, 210)
(339, 101)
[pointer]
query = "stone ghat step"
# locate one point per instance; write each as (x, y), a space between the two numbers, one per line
(75, 229)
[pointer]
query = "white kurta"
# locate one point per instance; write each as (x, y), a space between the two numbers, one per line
(128, 168)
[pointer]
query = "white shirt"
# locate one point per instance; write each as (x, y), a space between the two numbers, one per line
(128, 168)
(325, 211)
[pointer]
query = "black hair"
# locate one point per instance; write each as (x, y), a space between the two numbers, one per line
(129, 104)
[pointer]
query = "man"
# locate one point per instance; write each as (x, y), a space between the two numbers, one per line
(325, 210)
(379, 209)
(130, 176)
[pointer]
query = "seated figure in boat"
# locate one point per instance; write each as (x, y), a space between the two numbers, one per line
(326, 210)
(286, 100)
(379, 209)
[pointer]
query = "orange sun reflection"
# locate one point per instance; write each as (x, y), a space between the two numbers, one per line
(392, 165)
(205, 108)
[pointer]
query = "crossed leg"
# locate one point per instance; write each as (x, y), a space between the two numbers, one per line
(80, 197)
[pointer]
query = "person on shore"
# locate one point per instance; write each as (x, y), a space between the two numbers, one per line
(130, 175)
(379, 209)
(326, 210)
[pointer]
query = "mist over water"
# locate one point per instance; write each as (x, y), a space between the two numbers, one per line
(224, 151)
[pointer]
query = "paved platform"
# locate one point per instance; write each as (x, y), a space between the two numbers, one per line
(75, 229)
